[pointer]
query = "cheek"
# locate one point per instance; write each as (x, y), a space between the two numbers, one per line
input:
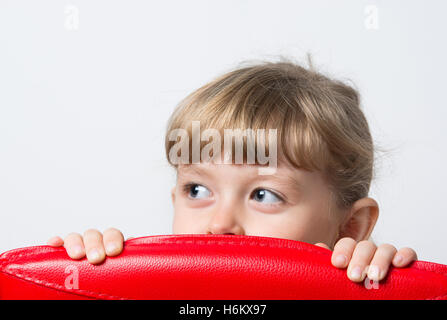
(318, 227)
(179, 223)
(303, 224)
(185, 222)
(284, 225)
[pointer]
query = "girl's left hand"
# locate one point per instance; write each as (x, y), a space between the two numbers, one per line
(364, 258)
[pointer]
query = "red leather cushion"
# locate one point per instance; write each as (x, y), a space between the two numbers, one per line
(206, 267)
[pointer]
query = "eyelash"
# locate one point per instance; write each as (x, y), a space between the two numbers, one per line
(187, 188)
(282, 201)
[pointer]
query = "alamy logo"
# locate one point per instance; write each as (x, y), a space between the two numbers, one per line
(371, 17)
(72, 280)
(255, 146)
(71, 18)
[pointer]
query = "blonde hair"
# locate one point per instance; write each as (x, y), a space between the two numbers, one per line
(320, 125)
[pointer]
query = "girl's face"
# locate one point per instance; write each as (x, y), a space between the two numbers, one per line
(233, 199)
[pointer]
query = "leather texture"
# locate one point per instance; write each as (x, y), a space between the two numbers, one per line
(205, 267)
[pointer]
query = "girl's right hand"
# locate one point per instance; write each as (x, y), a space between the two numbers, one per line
(96, 245)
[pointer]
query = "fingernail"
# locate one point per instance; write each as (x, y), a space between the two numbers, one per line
(76, 250)
(356, 273)
(398, 259)
(374, 272)
(111, 247)
(53, 240)
(340, 260)
(94, 254)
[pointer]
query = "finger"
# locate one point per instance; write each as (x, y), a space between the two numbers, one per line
(55, 241)
(323, 245)
(381, 262)
(404, 257)
(343, 251)
(113, 241)
(74, 245)
(94, 246)
(363, 254)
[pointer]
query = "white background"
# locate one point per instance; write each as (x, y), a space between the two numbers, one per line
(86, 89)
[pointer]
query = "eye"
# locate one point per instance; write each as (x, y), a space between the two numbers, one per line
(266, 196)
(196, 191)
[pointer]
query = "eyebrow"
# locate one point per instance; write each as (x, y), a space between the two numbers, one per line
(194, 169)
(284, 180)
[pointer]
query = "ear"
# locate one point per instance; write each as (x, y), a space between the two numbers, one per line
(173, 195)
(360, 220)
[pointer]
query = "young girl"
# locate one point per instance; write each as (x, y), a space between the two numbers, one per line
(318, 192)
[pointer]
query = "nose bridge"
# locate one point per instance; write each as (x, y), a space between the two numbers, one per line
(226, 217)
